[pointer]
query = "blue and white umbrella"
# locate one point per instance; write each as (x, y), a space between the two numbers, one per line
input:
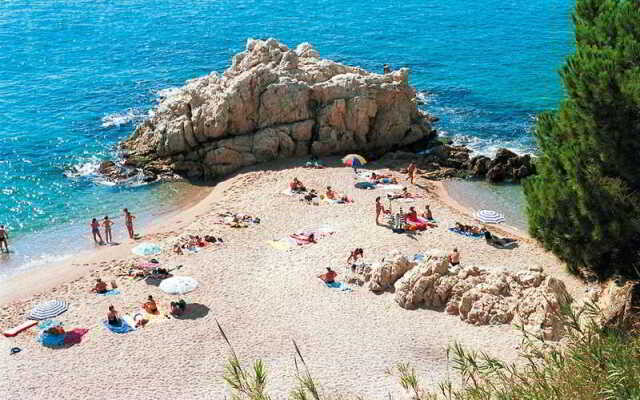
(48, 309)
(147, 249)
(178, 285)
(489, 216)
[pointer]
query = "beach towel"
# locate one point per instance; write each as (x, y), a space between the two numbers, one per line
(405, 200)
(418, 257)
(112, 292)
(74, 336)
(339, 286)
(124, 327)
(49, 323)
(281, 245)
(365, 185)
(467, 234)
(49, 340)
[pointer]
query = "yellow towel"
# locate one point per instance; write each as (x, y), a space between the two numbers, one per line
(279, 244)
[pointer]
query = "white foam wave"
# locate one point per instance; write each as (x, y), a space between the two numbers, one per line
(85, 168)
(168, 92)
(487, 146)
(123, 117)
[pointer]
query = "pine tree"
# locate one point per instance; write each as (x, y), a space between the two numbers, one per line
(584, 204)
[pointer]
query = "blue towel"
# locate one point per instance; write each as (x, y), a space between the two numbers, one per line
(49, 323)
(467, 234)
(50, 340)
(365, 185)
(122, 328)
(418, 257)
(112, 292)
(339, 285)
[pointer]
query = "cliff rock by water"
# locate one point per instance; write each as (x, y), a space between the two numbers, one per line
(272, 103)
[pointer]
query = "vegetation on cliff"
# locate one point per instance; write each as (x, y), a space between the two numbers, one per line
(584, 203)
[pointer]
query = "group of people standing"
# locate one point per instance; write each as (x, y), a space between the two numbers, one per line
(106, 225)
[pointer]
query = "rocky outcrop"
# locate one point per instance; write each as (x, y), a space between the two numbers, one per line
(382, 275)
(480, 297)
(620, 304)
(274, 102)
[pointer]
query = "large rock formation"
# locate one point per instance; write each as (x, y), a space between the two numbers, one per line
(480, 297)
(275, 102)
(382, 275)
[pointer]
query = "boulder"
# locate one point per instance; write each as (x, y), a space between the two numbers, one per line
(386, 273)
(281, 103)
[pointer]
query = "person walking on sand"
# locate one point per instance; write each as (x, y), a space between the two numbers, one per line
(128, 221)
(411, 173)
(4, 237)
(454, 257)
(106, 223)
(95, 230)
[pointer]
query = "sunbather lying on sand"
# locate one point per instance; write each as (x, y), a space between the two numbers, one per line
(476, 230)
(333, 195)
(420, 224)
(150, 305)
(101, 287)
(305, 238)
(383, 179)
(113, 318)
(329, 276)
(497, 241)
(297, 186)
(403, 195)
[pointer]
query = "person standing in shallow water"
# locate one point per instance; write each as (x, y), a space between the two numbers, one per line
(128, 221)
(4, 239)
(95, 230)
(106, 223)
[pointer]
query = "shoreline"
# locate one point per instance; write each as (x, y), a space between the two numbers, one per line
(32, 281)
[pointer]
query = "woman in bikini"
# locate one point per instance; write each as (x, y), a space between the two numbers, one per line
(329, 276)
(113, 318)
(100, 287)
(128, 221)
(95, 229)
(106, 223)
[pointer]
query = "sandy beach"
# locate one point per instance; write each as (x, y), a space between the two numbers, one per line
(262, 296)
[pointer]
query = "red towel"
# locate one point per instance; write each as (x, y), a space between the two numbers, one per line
(74, 336)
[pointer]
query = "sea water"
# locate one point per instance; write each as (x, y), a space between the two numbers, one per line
(77, 76)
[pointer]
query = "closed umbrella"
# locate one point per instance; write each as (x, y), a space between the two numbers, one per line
(48, 309)
(178, 285)
(147, 249)
(489, 216)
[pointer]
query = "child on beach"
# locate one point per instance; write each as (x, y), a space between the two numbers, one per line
(95, 230)
(106, 223)
(128, 221)
(4, 236)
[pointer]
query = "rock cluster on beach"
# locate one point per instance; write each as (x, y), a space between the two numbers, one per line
(477, 296)
(271, 103)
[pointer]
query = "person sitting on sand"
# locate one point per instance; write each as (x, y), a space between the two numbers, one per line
(427, 213)
(297, 186)
(95, 230)
(497, 241)
(178, 307)
(113, 318)
(331, 194)
(150, 306)
(355, 255)
(101, 287)
(329, 276)
(177, 249)
(454, 257)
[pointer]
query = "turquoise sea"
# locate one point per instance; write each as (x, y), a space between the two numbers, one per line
(77, 76)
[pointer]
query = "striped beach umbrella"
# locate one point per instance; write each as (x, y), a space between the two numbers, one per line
(48, 309)
(354, 160)
(489, 216)
(178, 285)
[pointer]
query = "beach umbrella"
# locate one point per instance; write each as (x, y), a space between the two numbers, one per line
(489, 216)
(178, 285)
(48, 309)
(354, 160)
(147, 249)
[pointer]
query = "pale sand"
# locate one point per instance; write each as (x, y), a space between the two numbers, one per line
(263, 298)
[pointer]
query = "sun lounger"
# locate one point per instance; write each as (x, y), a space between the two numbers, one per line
(17, 329)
